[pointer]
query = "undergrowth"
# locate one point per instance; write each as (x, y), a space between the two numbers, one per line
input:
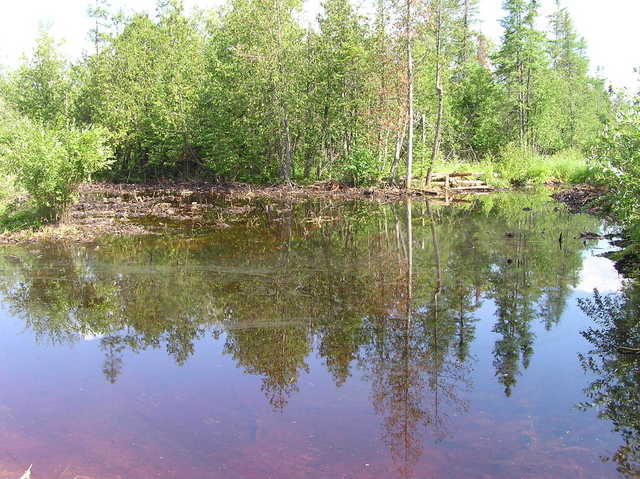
(519, 167)
(17, 212)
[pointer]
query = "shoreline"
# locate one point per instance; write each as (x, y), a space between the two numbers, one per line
(129, 209)
(580, 199)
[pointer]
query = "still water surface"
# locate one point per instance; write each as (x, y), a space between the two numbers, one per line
(318, 340)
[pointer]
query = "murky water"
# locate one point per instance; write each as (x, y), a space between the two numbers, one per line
(310, 341)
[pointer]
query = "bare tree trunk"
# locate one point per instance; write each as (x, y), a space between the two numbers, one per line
(287, 153)
(439, 93)
(465, 31)
(385, 147)
(409, 94)
(399, 142)
(521, 108)
(423, 126)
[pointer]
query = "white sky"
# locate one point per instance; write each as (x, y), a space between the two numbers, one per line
(599, 273)
(609, 27)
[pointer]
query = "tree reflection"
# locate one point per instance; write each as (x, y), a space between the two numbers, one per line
(113, 349)
(277, 355)
(615, 360)
(414, 371)
(392, 290)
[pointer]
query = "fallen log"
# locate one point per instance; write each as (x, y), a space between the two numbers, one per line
(465, 174)
(474, 188)
(468, 183)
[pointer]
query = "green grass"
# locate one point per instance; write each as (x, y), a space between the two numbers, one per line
(517, 167)
(16, 211)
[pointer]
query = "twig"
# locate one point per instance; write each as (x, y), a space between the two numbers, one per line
(27, 474)
(630, 350)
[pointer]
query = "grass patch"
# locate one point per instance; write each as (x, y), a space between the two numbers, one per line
(517, 167)
(16, 210)
(21, 218)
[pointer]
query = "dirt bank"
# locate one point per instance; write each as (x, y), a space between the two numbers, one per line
(134, 209)
(581, 198)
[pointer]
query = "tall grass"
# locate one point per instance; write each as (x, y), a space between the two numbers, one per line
(16, 210)
(515, 166)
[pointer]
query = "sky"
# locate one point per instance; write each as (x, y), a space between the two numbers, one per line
(609, 27)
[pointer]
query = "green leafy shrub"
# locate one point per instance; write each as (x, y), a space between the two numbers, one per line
(361, 168)
(618, 153)
(517, 167)
(49, 162)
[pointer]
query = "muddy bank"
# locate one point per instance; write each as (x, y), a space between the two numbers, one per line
(584, 198)
(242, 191)
(581, 198)
(136, 209)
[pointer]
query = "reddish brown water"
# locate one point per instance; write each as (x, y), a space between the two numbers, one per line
(359, 347)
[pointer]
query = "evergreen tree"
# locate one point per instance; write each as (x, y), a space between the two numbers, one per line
(520, 66)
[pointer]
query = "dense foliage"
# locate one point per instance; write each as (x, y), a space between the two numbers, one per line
(619, 153)
(47, 160)
(249, 93)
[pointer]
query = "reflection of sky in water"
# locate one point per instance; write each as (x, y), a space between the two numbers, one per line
(598, 272)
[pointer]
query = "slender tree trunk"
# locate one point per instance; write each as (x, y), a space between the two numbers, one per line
(385, 148)
(409, 94)
(521, 107)
(423, 126)
(440, 95)
(326, 136)
(465, 32)
(383, 127)
(399, 142)
(527, 103)
(287, 153)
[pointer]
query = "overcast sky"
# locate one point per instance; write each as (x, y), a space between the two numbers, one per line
(609, 27)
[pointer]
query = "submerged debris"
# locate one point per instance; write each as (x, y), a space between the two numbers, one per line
(591, 236)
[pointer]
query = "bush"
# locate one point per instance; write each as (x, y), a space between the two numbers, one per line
(50, 162)
(361, 168)
(618, 154)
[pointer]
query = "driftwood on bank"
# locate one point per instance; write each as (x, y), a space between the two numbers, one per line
(457, 182)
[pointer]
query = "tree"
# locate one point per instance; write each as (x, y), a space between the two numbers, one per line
(40, 89)
(438, 88)
(340, 96)
(99, 12)
(145, 87)
(409, 29)
(581, 106)
(520, 62)
(254, 91)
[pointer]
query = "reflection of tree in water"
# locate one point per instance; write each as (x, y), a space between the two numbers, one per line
(339, 286)
(415, 381)
(412, 357)
(529, 279)
(615, 360)
(398, 384)
(113, 349)
(276, 354)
